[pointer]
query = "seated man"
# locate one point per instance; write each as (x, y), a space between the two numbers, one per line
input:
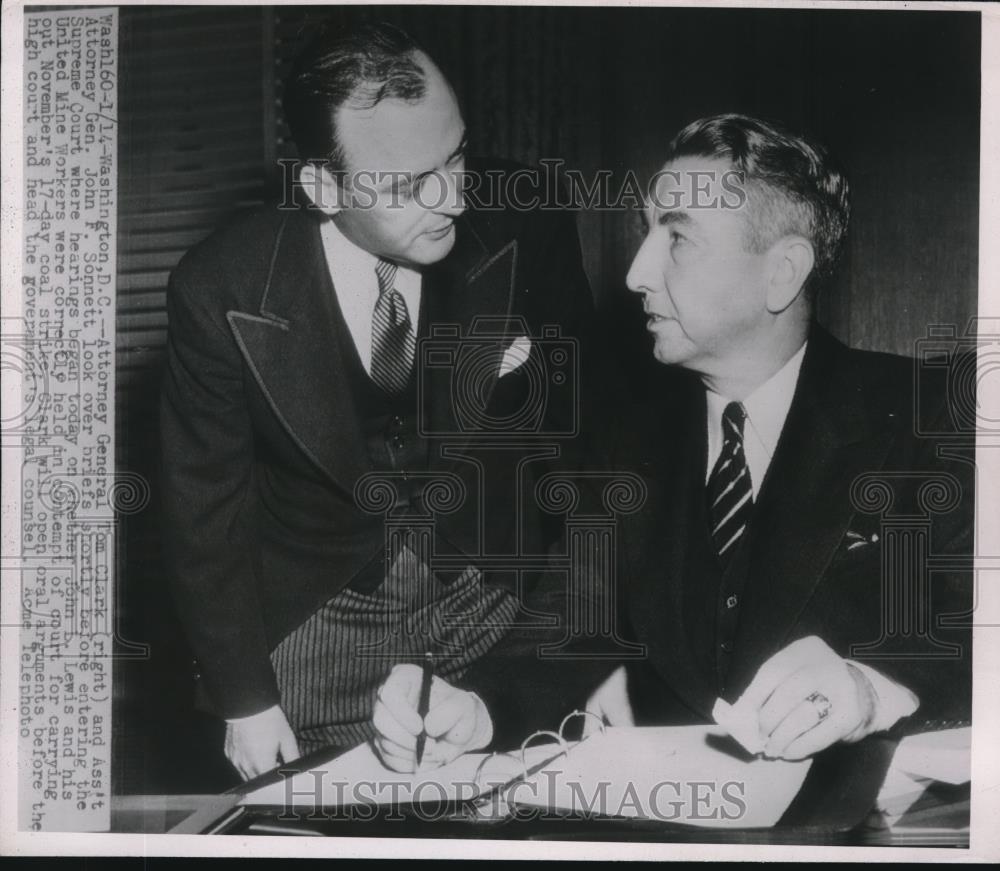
(779, 558)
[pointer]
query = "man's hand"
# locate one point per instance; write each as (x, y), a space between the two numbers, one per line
(257, 743)
(805, 698)
(610, 702)
(456, 722)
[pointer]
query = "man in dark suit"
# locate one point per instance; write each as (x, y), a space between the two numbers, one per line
(316, 465)
(780, 562)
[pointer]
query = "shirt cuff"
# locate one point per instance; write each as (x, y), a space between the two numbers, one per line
(253, 717)
(893, 701)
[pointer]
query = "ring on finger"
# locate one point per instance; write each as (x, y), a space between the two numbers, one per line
(821, 703)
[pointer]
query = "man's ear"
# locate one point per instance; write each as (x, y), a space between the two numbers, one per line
(322, 188)
(792, 259)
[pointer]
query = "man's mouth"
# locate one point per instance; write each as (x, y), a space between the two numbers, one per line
(440, 232)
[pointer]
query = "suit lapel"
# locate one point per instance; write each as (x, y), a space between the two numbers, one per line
(663, 545)
(292, 349)
(472, 285)
(804, 507)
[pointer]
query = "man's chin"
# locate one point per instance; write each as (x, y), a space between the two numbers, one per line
(431, 251)
(670, 353)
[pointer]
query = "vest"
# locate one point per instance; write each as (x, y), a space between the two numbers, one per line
(389, 427)
(713, 598)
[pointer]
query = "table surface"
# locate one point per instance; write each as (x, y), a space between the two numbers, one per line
(941, 821)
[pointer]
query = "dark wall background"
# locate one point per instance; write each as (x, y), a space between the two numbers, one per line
(895, 95)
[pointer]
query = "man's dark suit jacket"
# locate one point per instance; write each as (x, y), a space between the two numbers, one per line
(261, 448)
(818, 547)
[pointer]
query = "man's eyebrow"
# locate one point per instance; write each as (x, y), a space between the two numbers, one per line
(392, 180)
(665, 219)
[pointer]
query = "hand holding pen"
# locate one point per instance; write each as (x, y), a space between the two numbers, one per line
(424, 704)
(455, 722)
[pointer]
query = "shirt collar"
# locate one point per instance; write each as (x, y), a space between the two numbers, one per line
(766, 408)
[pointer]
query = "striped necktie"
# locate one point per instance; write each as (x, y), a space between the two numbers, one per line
(393, 339)
(730, 494)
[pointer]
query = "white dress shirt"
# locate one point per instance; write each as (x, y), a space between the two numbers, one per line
(766, 409)
(352, 270)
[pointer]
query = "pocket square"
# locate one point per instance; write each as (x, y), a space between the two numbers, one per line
(854, 540)
(515, 356)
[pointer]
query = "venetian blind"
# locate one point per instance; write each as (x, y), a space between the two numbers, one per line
(194, 111)
(196, 140)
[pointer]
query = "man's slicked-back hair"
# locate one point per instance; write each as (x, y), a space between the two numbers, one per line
(359, 65)
(793, 186)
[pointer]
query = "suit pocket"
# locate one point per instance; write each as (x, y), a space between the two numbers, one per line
(856, 548)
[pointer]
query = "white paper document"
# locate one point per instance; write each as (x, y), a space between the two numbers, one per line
(739, 723)
(945, 755)
(920, 760)
(681, 774)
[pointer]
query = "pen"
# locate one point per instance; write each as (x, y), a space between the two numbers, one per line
(423, 706)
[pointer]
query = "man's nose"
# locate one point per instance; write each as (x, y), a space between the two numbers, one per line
(638, 278)
(453, 199)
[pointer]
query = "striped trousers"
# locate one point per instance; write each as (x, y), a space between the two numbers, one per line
(330, 668)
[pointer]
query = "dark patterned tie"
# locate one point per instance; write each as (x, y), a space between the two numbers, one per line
(393, 340)
(730, 494)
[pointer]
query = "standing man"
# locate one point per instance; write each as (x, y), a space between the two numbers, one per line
(294, 391)
(757, 571)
